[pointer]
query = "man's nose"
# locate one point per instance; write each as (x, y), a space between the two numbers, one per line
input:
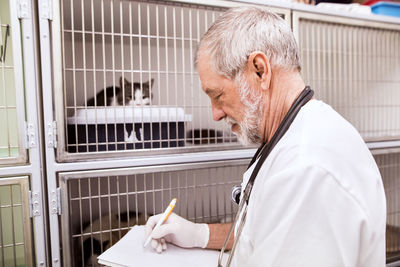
(218, 113)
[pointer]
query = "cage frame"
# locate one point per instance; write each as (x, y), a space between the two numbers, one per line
(23, 182)
(297, 15)
(27, 88)
(65, 177)
(22, 157)
(57, 62)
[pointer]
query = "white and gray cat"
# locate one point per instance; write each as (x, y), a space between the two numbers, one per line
(124, 95)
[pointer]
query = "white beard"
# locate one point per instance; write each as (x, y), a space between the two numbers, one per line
(253, 110)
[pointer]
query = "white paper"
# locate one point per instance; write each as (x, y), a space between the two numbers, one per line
(129, 252)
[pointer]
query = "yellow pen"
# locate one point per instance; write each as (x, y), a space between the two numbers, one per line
(164, 217)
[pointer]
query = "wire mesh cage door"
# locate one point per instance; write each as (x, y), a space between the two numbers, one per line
(354, 66)
(389, 166)
(129, 81)
(15, 223)
(12, 147)
(98, 208)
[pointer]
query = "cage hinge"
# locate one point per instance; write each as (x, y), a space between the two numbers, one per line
(46, 9)
(34, 199)
(30, 135)
(24, 9)
(55, 201)
(52, 134)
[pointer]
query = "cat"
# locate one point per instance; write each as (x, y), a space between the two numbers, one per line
(93, 242)
(140, 95)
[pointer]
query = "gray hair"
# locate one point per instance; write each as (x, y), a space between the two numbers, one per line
(242, 30)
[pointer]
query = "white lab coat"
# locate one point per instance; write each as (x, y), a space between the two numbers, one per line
(318, 200)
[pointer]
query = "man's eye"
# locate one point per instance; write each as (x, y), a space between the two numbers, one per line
(218, 96)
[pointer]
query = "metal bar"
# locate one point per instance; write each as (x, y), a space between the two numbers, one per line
(84, 72)
(100, 213)
(191, 73)
(1, 238)
(131, 61)
(94, 77)
(154, 196)
(115, 34)
(91, 213)
(149, 74)
(109, 207)
(158, 66)
(113, 73)
(209, 110)
(166, 69)
(140, 63)
(80, 216)
(104, 73)
(127, 199)
(186, 195)
(73, 67)
(123, 72)
(119, 209)
(145, 190)
(64, 71)
(13, 226)
(136, 197)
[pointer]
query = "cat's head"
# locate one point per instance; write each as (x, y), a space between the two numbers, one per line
(142, 94)
(138, 95)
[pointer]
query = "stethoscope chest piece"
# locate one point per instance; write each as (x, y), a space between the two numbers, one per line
(235, 195)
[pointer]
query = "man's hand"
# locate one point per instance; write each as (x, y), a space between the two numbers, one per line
(178, 231)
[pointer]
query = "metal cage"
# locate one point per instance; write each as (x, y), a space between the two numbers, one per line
(353, 65)
(12, 146)
(15, 225)
(389, 166)
(99, 207)
(125, 49)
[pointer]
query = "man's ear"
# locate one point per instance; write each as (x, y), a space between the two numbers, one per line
(259, 69)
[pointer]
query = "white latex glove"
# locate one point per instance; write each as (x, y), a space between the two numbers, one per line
(178, 231)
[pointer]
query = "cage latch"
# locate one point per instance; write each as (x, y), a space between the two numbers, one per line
(34, 199)
(55, 201)
(52, 134)
(30, 135)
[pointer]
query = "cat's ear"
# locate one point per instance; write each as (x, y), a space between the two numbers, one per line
(150, 83)
(126, 82)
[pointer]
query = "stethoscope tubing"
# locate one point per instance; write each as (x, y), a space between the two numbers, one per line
(262, 153)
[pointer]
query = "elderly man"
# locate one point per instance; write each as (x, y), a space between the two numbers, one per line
(317, 197)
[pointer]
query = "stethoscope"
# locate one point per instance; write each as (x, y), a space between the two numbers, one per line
(262, 153)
